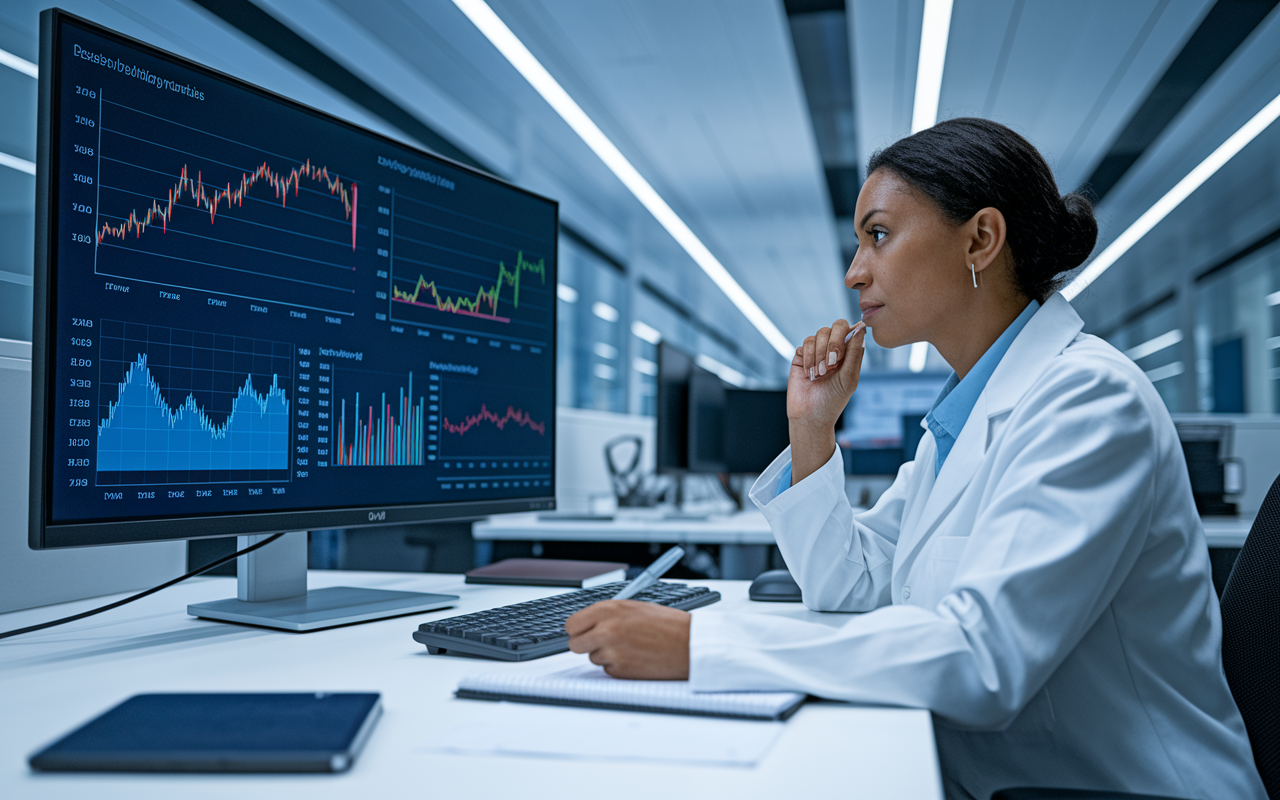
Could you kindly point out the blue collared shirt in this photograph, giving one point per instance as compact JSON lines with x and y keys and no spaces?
{"x":954,"y":405}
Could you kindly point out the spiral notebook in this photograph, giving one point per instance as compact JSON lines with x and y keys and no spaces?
{"x":590,"y":686}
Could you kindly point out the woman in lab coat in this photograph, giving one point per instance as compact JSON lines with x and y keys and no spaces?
{"x":1037,"y":577}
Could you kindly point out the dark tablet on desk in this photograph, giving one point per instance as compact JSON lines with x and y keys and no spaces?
{"x":311,"y":732}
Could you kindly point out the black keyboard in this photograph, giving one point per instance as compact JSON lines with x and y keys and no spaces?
{"x":535,"y":629}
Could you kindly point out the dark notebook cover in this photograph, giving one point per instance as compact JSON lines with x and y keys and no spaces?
{"x":549,"y":572}
{"x":311,"y":732}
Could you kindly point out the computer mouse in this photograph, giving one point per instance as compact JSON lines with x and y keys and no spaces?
{"x":776,"y":586}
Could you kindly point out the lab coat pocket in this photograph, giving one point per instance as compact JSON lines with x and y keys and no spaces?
{"x":932,"y":575}
{"x":947,"y":548}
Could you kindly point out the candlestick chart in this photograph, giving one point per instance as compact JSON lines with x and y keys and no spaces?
{"x":198,"y":210}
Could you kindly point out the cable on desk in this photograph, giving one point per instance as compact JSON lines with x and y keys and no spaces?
{"x":142,"y":594}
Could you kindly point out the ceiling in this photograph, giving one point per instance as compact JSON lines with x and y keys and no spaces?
{"x":707,"y":99}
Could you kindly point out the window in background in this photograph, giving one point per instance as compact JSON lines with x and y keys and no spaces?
{"x":1152,"y":341}
{"x":594,"y":330}
{"x":1238,"y":336}
{"x":644,"y":368}
{"x":17,"y":193}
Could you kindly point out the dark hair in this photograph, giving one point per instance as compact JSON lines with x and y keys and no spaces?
{"x":967,"y":164}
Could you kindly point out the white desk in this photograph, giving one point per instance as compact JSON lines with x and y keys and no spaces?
{"x":743,"y":537}
{"x":52,"y":681}
{"x":1227,"y":532}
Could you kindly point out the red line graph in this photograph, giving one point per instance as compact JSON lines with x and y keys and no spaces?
{"x":208,"y":200}
{"x":513,"y":414}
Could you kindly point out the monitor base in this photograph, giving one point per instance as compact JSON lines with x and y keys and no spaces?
{"x":322,"y":608}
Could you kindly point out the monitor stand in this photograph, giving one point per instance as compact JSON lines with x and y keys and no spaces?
{"x":272,"y":592}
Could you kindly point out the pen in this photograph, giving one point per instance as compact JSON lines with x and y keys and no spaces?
{"x":650,"y":576}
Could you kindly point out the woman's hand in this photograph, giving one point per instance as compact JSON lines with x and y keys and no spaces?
{"x":633,"y":639}
{"x":824,"y":374}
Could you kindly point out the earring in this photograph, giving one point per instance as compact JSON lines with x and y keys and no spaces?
{"x":974,"y":276}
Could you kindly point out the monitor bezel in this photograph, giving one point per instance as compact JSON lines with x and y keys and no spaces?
{"x":43,"y":533}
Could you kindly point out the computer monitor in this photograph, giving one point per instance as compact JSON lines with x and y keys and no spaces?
{"x":706,"y":422}
{"x":707,"y":426}
{"x":756,"y":429}
{"x":672,"y":434}
{"x":253,"y":317}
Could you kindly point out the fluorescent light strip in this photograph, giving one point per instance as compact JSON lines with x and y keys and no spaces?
{"x":933,"y":56}
{"x":647,"y":332}
{"x":604,"y":311}
{"x":1273,"y":299}
{"x":567,"y":293}
{"x":496,"y":31}
{"x":20,"y":64}
{"x":1167,"y":371}
{"x":1152,"y":346}
{"x":726,"y":373}
{"x":20,"y":164}
{"x":1174,"y":197}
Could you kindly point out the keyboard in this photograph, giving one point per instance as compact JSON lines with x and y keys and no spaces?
{"x":535,"y":628}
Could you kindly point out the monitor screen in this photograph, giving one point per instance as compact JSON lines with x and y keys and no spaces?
{"x":756,"y":429}
{"x":253,"y":316}
{"x":706,"y":422}
{"x":672,"y":436}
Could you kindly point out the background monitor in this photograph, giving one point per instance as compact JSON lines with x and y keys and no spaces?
{"x":756,"y":429}
{"x":252,"y":317}
{"x":672,"y":434}
{"x":707,"y":433}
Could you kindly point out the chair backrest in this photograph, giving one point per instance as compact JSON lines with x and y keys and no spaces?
{"x":1251,"y":637}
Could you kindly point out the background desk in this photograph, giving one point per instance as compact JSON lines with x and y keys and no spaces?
{"x":744,"y":537}
{"x":52,"y":681}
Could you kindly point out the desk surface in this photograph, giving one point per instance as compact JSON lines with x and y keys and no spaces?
{"x":643,"y":525}
{"x":52,"y":681}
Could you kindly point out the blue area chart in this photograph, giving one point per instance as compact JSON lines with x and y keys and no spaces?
{"x":143,"y":434}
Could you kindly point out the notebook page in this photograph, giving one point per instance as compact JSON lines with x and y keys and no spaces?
{"x":588,"y":683}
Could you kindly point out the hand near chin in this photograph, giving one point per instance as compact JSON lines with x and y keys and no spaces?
{"x":824,"y":374}
{"x":633,"y":639}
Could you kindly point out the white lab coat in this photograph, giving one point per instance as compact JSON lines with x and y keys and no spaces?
{"x":1048,"y":596}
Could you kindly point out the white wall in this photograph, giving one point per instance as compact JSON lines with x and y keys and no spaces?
{"x":581,"y":474}
{"x":30,"y":578}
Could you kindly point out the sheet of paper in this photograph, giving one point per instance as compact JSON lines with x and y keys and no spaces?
{"x":523,"y":729}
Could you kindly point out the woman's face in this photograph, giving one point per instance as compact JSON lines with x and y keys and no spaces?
{"x":910,"y":269}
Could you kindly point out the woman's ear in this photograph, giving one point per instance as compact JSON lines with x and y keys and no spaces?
{"x":987,"y":233}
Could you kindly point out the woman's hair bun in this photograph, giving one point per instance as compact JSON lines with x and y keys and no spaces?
{"x":1079,"y":231}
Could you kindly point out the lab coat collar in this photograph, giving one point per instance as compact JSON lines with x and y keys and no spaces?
{"x":1045,"y":335}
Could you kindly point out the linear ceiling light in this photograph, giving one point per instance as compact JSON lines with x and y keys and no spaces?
{"x":20,"y":64}
{"x":933,"y":56}
{"x":20,"y":164}
{"x":496,"y":31}
{"x":727,"y":373}
{"x":1174,"y":197}
{"x":1153,"y":346}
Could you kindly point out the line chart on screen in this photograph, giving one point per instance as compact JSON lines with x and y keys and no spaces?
{"x":461,"y":275}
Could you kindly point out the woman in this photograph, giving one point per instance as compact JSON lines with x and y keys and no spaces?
{"x":1037,"y":576}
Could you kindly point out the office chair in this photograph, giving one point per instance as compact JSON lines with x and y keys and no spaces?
{"x":1250,"y":651}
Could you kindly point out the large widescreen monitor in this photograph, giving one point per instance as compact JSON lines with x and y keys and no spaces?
{"x":252,"y":316}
